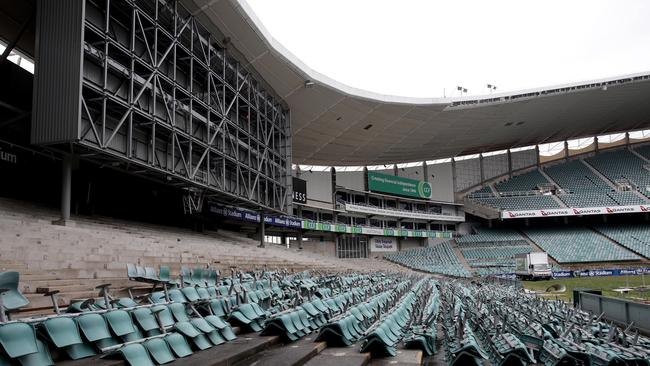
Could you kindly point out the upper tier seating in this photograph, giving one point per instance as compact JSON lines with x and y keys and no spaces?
{"x":643,"y":151}
{"x":581,"y":186}
{"x":491,"y":251}
{"x":576,"y":244}
{"x":623,"y":164}
{"x":633,"y":237}
{"x":439,"y":258}
{"x":524,"y":182}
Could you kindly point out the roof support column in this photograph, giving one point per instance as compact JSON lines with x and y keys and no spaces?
{"x":481,"y":168}
{"x":509,"y":164}
{"x":66,"y":189}
{"x":566,"y":150}
{"x":395,"y":172}
{"x":261,"y":228}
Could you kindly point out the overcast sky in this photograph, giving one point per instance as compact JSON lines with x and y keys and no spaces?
{"x":418,"y":48}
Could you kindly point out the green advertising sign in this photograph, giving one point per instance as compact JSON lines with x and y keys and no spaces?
{"x":398,"y":185}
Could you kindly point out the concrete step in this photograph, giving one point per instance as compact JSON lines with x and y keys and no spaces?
{"x":340,"y":356}
{"x":292,"y":354}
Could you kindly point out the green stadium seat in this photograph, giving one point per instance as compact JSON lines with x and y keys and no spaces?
{"x":135,"y":355}
{"x":40,"y":358}
{"x":119,"y":322}
{"x":178,"y":344}
{"x":79,"y":351}
{"x":93,"y":327}
{"x":12,"y":299}
{"x":18,"y":339}
{"x":62,"y":331}
{"x":159,"y":350}
{"x":145,"y":319}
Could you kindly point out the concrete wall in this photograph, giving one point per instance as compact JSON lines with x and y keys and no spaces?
{"x":411,"y":243}
{"x":351,"y":180}
{"x":468,"y":173}
{"x":523,"y":159}
{"x":442,"y":182}
{"x":325,"y":248}
{"x":495,"y":165}
{"x":319,"y":186}
{"x":620,"y":311}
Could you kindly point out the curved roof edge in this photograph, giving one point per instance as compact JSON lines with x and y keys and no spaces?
{"x":310,"y":74}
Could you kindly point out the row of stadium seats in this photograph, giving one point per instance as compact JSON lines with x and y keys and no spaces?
{"x":623,"y":164}
{"x":490,"y":237}
{"x":580,"y":186}
{"x":513,"y":203}
{"x":186,"y":319}
{"x":495,"y":252}
{"x":633,"y":237}
{"x":578,"y":244}
{"x":439,"y":258}
{"x":499,"y":325}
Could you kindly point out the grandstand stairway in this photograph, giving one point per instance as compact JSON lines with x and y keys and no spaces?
{"x":639,"y":155}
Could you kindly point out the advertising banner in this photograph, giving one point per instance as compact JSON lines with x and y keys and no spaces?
{"x":299,"y":190}
{"x":293,"y":222}
{"x":575,"y":211}
{"x":401,"y":213}
{"x":401,"y":186}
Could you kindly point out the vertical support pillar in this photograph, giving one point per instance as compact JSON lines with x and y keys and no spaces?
{"x":395,"y":170}
{"x":425,"y":171}
{"x":481,"y":168}
{"x":261,"y":228}
{"x":566,"y":150}
{"x":66,"y":188}
{"x":627,"y":139}
{"x":299,"y":237}
{"x":509,"y":164}
{"x":537,"y":155}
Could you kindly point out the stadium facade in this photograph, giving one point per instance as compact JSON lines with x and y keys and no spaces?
{"x":209,"y":120}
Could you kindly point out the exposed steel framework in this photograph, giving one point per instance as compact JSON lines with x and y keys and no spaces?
{"x":162,"y":97}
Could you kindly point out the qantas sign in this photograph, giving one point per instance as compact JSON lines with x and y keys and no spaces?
{"x":574,"y":211}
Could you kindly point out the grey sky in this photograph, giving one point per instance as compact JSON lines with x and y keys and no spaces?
{"x":418,"y":48}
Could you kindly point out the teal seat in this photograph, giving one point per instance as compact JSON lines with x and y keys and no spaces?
{"x":179,"y":312}
{"x":178,"y":344}
{"x":120,"y":322}
{"x":202,"y":325}
{"x":126,"y":302}
{"x":145,"y":319}
{"x":159,"y":350}
{"x":203,"y":293}
{"x":79,"y":351}
{"x":18,"y":339}
{"x":62,"y":331}
{"x":164,"y":315}
{"x":218,"y":307}
{"x":40,"y":358}
{"x":135,"y":355}
{"x":190,"y":294}
{"x":212,"y":291}
{"x":176,"y":295}
{"x":216,"y":338}
{"x":11,"y":299}
{"x":163,"y":274}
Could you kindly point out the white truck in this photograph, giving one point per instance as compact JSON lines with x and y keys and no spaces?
{"x":533,"y":266}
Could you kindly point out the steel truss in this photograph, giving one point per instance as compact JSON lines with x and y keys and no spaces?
{"x":160,"y":94}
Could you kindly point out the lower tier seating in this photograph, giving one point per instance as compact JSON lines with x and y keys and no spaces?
{"x":578,"y":244}
{"x":633,"y":237}
{"x":439,"y":258}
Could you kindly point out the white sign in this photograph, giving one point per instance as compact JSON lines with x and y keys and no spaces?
{"x":401,"y":213}
{"x":383,"y":244}
{"x":575,"y":211}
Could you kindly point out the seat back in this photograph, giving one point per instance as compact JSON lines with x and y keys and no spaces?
{"x":11,"y":299}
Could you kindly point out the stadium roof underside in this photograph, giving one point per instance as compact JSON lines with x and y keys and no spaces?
{"x":330,"y":121}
